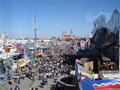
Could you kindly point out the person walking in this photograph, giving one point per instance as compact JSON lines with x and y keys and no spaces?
{"x":17,"y":88}
{"x":36,"y":88}
{"x":2,"y":77}
{"x":32,"y":88}
{"x":10,"y":82}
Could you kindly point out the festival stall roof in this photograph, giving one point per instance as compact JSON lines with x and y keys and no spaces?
{"x":12,"y":54}
{"x":27,"y":61}
{"x":21,"y":65}
{"x":43,"y":48}
{"x":23,"y":62}
{"x":85,"y":73}
{"x":39,"y":54}
{"x":72,"y":72}
{"x":30,"y":46}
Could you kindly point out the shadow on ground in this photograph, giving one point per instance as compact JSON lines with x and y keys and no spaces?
{"x":64,"y":84}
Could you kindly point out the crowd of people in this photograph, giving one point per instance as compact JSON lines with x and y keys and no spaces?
{"x":43,"y":69}
{"x":51,"y":65}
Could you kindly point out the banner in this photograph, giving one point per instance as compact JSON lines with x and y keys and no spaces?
{"x":107,"y":84}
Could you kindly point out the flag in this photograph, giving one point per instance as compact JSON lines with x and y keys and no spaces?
{"x":82,"y":77}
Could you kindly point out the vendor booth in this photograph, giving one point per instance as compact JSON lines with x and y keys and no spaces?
{"x":22,"y":63}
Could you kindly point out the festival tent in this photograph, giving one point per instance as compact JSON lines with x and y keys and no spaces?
{"x":43,"y":48}
{"x":23,"y":62}
{"x":39,"y":54}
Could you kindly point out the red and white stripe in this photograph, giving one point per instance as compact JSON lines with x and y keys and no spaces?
{"x":83,"y":77}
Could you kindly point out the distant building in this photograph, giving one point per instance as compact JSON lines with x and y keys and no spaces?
{"x":4,"y":36}
{"x":68,"y":37}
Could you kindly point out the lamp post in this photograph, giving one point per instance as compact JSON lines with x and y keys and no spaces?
{"x":119,"y":39}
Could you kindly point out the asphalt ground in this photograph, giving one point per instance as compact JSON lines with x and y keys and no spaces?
{"x":26,"y":84}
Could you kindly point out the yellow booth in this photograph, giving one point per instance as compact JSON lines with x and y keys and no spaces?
{"x":21,"y":64}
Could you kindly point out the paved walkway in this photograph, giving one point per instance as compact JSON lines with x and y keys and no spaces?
{"x":26,"y":84}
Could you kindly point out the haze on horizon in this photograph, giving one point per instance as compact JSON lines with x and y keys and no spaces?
{"x":53,"y":16}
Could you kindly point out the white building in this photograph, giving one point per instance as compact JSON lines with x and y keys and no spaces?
{"x":4,"y":36}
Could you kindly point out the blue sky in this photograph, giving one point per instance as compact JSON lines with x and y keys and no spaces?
{"x":53,"y":16}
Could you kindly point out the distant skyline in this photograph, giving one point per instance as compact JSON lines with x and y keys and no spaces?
{"x":53,"y":16}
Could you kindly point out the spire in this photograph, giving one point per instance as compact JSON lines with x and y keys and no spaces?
{"x":71,"y":33}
